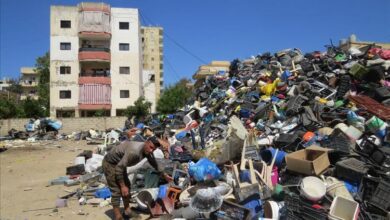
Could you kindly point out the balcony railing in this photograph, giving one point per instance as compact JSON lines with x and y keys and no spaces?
{"x":104,"y":80}
{"x":94,"y":54}
{"x":89,"y":49}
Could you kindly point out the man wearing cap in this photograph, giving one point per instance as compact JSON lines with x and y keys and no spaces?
{"x":114,"y":165}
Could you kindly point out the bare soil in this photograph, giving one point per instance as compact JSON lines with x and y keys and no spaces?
{"x":25,"y":173}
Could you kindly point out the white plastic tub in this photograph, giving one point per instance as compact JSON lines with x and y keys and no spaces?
{"x":344,"y":209}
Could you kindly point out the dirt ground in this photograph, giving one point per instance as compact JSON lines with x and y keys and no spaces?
{"x":24,"y":182}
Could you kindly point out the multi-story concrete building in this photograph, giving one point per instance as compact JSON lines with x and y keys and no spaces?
{"x":29,"y":80}
{"x":153,"y":65}
{"x":95,"y":59}
{"x":352,"y":41}
{"x":4,"y":84}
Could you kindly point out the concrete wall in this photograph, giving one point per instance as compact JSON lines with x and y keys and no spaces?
{"x":131,"y":58}
{"x":69,"y":124}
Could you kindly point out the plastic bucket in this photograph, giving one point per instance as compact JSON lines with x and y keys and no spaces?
{"x":271,"y":209}
{"x":268,"y":154}
{"x":343,"y":208}
{"x":79,"y":160}
{"x":146,"y":196}
{"x":312,"y":188}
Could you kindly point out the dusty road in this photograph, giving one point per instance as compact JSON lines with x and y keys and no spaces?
{"x":25,"y":175}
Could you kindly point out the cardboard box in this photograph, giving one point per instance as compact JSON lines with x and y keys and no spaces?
{"x":310,"y":161}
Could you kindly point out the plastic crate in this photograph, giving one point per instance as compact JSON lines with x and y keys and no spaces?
{"x":351,"y":169}
{"x":285,"y":140}
{"x":293,"y":203}
{"x":358,"y":71}
{"x":338,"y":141}
{"x":294,"y":105}
{"x":382,"y":93}
{"x":381,"y":196}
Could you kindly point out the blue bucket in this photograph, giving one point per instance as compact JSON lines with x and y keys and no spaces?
{"x":268,"y":154}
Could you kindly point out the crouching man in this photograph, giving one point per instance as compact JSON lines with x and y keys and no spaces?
{"x":114,"y":165}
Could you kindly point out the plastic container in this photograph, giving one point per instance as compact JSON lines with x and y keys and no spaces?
{"x":312,"y":188}
{"x":381,"y":196}
{"x":79,"y":160}
{"x":145,"y":197}
{"x":271,"y":209}
{"x":103,"y":193}
{"x":344,"y":209}
{"x":351,"y":169}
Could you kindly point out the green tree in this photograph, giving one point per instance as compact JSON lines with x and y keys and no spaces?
{"x":15,"y":87}
{"x":42,"y":67}
{"x":174,"y":97}
{"x":140,"y":109}
{"x":7,"y":109}
{"x":33,"y":108}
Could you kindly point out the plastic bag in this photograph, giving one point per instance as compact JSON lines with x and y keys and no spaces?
{"x":93,"y":163}
{"x":204,"y":170}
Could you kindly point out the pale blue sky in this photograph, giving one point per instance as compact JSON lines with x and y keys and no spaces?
{"x":208,"y":29}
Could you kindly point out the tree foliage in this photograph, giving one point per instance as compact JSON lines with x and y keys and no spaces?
{"x":42,"y":67}
{"x":33,"y":108}
{"x":140,"y":109}
{"x":15,"y":87}
{"x":174,"y":97}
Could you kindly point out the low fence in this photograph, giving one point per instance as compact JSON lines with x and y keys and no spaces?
{"x":68,"y":124}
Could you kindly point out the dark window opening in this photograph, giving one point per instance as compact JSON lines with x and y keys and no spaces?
{"x":124,"y":25}
{"x":65,"y":46}
{"x":124,"y":94}
{"x":65,"y":94}
{"x":65,"y":70}
{"x":65,"y":24}
{"x":124,"y":47}
{"x":124,"y":70}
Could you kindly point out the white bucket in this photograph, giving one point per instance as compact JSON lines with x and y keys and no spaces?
{"x":312,"y":188}
{"x":343,"y":208}
{"x":79,"y":160}
{"x":271,"y":209}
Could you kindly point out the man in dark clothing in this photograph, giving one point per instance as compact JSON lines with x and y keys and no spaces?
{"x":115,"y":163}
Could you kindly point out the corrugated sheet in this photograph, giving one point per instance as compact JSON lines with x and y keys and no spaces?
{"x":95,"y":94}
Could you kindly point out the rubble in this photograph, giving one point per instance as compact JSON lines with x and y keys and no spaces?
{"x":280,"y":136}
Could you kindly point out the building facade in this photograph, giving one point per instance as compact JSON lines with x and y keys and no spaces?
{"x":153,"y":64}
{"x":29,"y":80}
{"x":95,"y":60}
{"x":352,"y":41}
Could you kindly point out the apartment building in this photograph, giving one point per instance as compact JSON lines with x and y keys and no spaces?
{"x":352,"y":41}
{"x":95,"y":59}
{"x":153,"y":65}
{"x":29,"y":80}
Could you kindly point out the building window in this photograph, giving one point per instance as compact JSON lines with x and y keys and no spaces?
{"x":152,"y":78}
{"x":65,"y":46}
{"x":124,"y":70}
{"x":124,"y":25}
{"x":65,"y":94}
{"x":124,"y":94}
{"x":124,"y":47}
{"x":65,"y":24}
{"x":65,"y":70}
{"x":152,"y":58}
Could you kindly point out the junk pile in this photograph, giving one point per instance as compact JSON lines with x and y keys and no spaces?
{"x":279,"y":136}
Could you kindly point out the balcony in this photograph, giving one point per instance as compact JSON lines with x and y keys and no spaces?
{"x":94,"y":21}
{"x":28,"y":84}
{"x":95,"y":77}
{"x":94,"y":96}
{"x":94,"y":54}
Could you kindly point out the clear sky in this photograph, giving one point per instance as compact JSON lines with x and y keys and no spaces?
{"x":207,"y":29}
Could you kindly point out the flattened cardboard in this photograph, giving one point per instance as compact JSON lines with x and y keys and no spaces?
{"x":310,"y":161}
